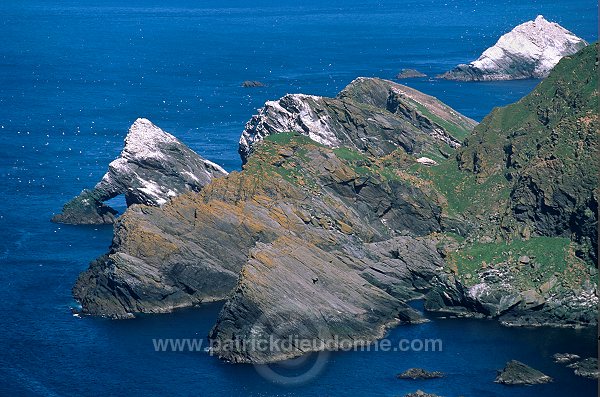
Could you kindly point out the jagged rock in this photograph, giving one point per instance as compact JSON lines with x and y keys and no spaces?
{"x":587,"y":368}
{"x":370,"y":115}
{"x":517,"y":373}
{"x":152,"y":168}
{"x":419,"y":373}
{"x":164,"y":258}
{"x":409,"y":74}
{"x":530,"y":50}
{"x":565,"y":357}
{"x":320,"y":241}
{"x":252,"y":84}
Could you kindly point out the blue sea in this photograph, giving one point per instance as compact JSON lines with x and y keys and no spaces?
{"x":75,"y":74}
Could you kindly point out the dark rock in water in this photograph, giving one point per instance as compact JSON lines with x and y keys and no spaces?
{"x":251,"y":84}
{"x":409,"y":73}
{"x":370,"y":115}
{"x":517,"y":373}
{"x":530,"y":50}
{"x":152,"y":168}
{"x":421,"y":393}
{"x":419,"y":373}
{"x":86,"y":209}
{"x":563,"y":358}
{"x":587,"y":368}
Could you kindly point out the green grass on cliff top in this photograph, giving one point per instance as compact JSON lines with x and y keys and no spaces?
{"x":553,"y":255}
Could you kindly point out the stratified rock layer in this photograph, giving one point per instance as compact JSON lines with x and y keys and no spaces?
{"x":370,"y":115}
{"x":530,"y":50}
{"x":290,"y":193}
{"x":152,"y":168}
{"x":317,"y":240}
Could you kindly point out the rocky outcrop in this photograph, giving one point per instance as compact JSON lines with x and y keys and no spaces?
{"x":565,"y":358}
{"x":370,"y":115}
{"x":588,"y":368}
{"x":152,"y":168}
{"x":409,"y":74}
{"x":327,"y":232}
{"x":363,"y":229}
{"x":419,"y":373}
{"x":421,"y":393}
{"x":252,"y":84}
{"x":517,"y":373}
{"x":497,"y":293}
{"x":530,"y":50}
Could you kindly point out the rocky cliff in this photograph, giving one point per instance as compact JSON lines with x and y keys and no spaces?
{"x":152,"y":168}
{"x":530,"y":50}
{"x":324,"y":238}
{"x":370,"y":115}
{"x":532,"y":256}
{"x":292,"y":189}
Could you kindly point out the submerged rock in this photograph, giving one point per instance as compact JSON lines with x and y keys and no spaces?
{"x":409,"y":74}
{"x":530,"y":50}
{"x":517,"y":373}
{"x":419,"y":373}
{"x":370,"y":115}
{"x":152,"y":168}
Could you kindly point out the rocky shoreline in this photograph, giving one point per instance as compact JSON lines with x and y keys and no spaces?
{"x":334,"y":224}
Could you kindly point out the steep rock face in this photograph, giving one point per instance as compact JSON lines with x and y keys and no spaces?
{"x":370,"y":115}
{"x":526,"y":182}
{"x":153,"y":167}
{"x":164,"y":258}
{"x":530,"y":50}
{"x":546,"y":148}
{"x":289,"y":287}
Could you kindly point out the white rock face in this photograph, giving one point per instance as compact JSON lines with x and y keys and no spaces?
{"x":293,"y":112}
{"x":153,"y":167}
{"x":530,"y":50}
{"x":369,"y":115}
{"x":426,"y":161}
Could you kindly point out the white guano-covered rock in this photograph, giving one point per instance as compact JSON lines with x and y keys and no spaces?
{"x":530,"y":50}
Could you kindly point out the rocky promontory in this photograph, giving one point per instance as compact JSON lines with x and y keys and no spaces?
{"x":339,"y":229}
{"x":153,"y":167}
{"x":336,"y":220}
{"x":370,"y":115}
{"x":530,"y":50}
{"x":531,"y":257}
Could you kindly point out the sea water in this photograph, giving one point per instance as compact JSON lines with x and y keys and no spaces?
{"x":75,"y":74}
